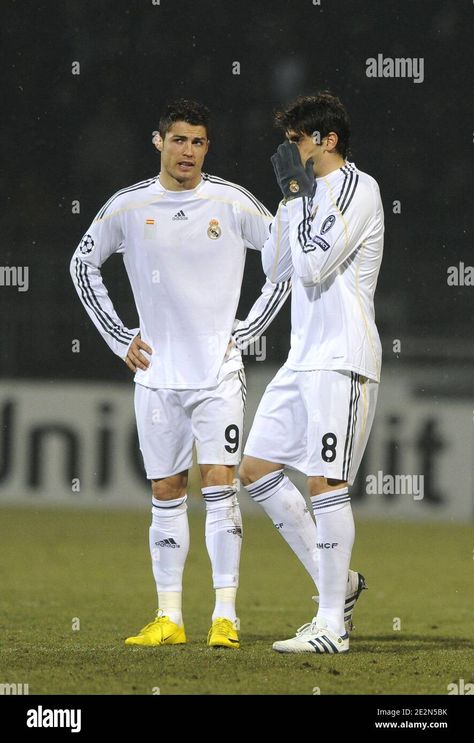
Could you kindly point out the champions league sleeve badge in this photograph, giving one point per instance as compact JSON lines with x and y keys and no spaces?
{"x":214,"y":230}
{"x":86,"y":246}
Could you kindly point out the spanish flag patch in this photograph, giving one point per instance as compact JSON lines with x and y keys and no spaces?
{"x":149,"y":229}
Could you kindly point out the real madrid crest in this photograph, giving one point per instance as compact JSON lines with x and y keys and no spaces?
{"x":214,"y":230}
{"x":294,"y":186}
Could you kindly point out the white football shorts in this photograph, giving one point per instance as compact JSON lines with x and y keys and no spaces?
{"x":317,"y":422}
{"x":169,"y":422}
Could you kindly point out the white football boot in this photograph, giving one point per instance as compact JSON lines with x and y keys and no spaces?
{"x":310,"y":638}
{"x":313,"y":639}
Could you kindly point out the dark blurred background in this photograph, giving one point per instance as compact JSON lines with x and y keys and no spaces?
{"x":81,"y":137}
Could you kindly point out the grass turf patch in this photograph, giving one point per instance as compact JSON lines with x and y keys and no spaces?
{"x":65,"y":569}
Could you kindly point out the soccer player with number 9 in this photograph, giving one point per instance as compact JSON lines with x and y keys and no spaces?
{"x":183,"y":235}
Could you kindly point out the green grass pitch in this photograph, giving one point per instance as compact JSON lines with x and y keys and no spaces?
{"x":58,"y":567}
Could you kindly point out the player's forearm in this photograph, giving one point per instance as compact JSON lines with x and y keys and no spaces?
{"x":94,"y":296}
{"x":311,"y":265}
{"x":262,"y":313}
{"x":314,"y":258}
{"x":321,"y":240}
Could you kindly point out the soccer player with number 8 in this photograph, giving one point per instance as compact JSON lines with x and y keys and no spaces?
{"x":316,"y":414}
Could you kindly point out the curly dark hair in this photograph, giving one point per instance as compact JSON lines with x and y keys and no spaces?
{"x":322,"y":113}
{"x":182,"y":109}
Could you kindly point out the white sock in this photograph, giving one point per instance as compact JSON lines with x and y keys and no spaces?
{"x":225,"y":603}
{"x":170,"y":603}
{"x":169,"y":546}
{"x":287,"y":508}
{"x":224,"y":542}
{"x":333,"y":514}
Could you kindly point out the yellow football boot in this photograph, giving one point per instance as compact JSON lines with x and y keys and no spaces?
{"x":223,"y":634}
{"x":162,"y":631}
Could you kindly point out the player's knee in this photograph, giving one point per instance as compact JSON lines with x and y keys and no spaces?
{"x":321,"y":485}
{"x":217,"y":474}
{"x":169,"y":488}
{"x":252,"y":469}
{"x":247,"y":472}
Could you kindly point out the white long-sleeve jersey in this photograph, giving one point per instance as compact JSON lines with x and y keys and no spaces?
{"x":184,"y":252}
{"x":333,"y":243}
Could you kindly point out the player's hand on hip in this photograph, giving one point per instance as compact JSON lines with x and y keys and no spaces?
{"x":134,"y":358}
{"x":293,"y":179}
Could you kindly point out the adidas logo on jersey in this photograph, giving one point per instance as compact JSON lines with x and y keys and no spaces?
{"x":168,"y":543}
{"x":179,"y":216}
